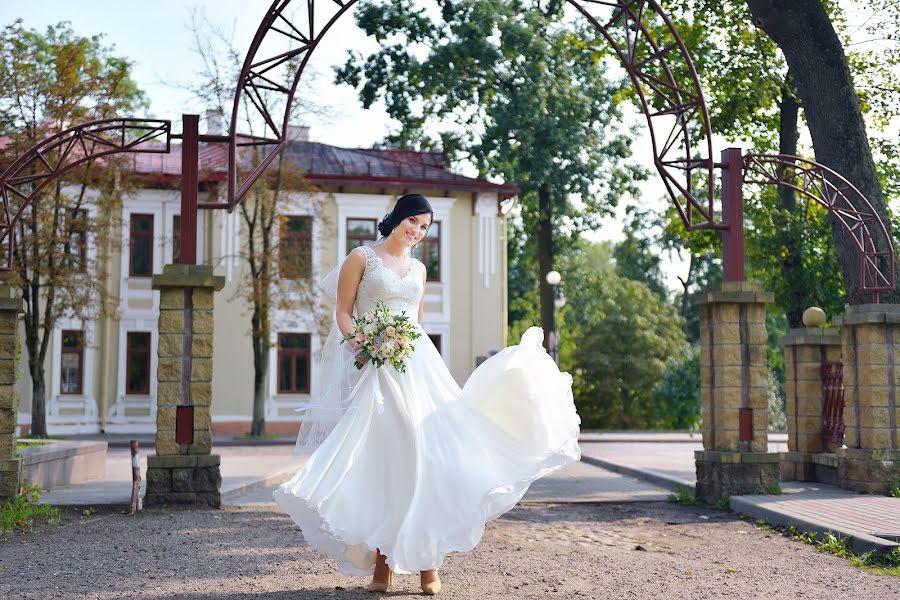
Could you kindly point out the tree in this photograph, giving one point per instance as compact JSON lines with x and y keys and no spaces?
{"x":269,"y":280}
{"x":635,"y":256}
{"x":618,"y":340}
{"x":48,"y":82}
{"x":527,"y":98}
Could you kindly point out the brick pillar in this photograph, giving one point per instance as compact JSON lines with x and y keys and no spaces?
{"x":871,"y":348}
{"x":10,"y":466}
{"x":733,"y":390}
{"x":184,"y":471}
{"x":806,"y":349}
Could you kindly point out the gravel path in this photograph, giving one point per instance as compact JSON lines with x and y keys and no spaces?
{"x":579,"y":551}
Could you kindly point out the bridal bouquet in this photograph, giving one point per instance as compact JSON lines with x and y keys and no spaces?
{"x":383,"y":337}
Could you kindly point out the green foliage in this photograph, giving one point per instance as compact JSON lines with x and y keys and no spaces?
{"x":774,"y":489}
{"x":517,"y":93}
{"x":895,"y":490}
{"x":677,"y":395}
{"x":792,"y":253}
{"x":618,"y":339}
{"x":22,"y":511}
{"x":684,"y":495}
{"x":636,"y":256}
{"x":881,"y":563}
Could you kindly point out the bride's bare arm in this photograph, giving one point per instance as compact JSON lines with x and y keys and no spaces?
{"x":348,"y":282}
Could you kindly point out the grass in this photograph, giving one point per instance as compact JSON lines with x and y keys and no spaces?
{"x":265,"y":436}
{"x":26,"y":445}
{"x":874,"y":562}
{"x":684,"y":495}
{"x":774,"y":489}
{"x":30,"y":436}
{"x":22,"y":511}
{"x":895,"y":490}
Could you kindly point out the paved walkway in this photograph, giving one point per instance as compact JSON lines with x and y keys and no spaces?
{"x":244,"y":469}
{"x":616,"y":467}
{"x":870,"y":522}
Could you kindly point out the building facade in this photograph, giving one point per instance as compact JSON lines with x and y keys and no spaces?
{"x":101,"y":375}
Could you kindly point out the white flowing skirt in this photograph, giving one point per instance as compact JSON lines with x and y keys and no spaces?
{"x":417,"y":466}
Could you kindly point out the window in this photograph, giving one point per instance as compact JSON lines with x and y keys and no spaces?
{"x":137,"y":362}
{"x":293,"y":363}
{"x":429,"y":251}
{"x":176,"y":239}
{"x":75,"y":246}
{"x":436,"y":340}
{"x":72,"y":361}
{"x":295,"y":248}
{"x":141,"y":257}
{"x":360,"y":231}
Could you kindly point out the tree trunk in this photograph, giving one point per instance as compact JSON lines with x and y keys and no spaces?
{"x":545,"y":263}
{"x":260,"y":368}
{"x":38,"y":402}
{"x":795,"y":300}
{"x":806,"y":36}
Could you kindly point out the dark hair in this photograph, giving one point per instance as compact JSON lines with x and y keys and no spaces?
{"x":407,"y":206}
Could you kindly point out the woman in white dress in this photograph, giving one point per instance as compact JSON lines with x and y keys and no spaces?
{"x":411,"y":467}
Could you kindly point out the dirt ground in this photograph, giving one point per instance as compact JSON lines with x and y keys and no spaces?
{"x":580,"y":551}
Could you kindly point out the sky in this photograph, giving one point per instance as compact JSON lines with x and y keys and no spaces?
{"x":157,"y":37}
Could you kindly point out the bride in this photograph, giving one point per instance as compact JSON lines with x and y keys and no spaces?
{"x":409,"y":467}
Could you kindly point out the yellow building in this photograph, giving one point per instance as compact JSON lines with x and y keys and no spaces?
{"x":101,"y":375}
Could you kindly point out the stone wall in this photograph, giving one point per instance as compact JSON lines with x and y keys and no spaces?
{"x":10,"y":465}
{"x":183,"y":471}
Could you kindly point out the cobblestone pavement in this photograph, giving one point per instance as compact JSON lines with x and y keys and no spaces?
{"x":580,"y":551}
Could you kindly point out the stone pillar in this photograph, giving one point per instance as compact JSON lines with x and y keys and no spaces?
{"x":184,"y":471}
{"x":10,"y":466}
{"x":734,"y":394}
{"x":806,"y":349}
{"x":870,"y":462}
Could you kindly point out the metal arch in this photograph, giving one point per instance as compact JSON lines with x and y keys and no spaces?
{"x":24,"y":180}
{"x":671,"y":98}
{"x":847,"y":205}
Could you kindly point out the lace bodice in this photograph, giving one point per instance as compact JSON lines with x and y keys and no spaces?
{"x":380,"y":283}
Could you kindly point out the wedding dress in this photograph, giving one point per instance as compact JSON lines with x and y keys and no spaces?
{"x":416,"y":466}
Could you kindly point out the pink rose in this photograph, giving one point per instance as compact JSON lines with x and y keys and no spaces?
{"x":360,"y":338}
{"x":370,"y":318}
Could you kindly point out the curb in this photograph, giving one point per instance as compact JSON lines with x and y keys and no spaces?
{"x":859,"y":543}
{"x":252,"y":486}
{"x":666,"y":481}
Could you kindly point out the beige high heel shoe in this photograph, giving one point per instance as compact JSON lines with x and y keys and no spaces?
{"x":382,"y":586}
{"x":432,"y":588}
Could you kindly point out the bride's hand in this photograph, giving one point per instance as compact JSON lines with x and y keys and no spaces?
{"x":359,"y":357}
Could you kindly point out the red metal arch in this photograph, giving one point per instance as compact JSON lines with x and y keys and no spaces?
{"x":24,"y":180}
{"x":639,"y":31}
{"x":847,"y":206}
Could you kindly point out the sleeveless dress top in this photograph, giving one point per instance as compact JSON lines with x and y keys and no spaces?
{"x":417,"y":465}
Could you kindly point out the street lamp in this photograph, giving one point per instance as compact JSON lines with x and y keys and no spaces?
{"x":553,"y":278}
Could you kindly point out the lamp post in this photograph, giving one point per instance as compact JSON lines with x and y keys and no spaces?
{"x":553,"y":278}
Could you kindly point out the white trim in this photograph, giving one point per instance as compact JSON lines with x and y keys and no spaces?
{"x":443,"y":330}
{"x":280,"y":407}
{"x":59,"y":418}
{"x":486,"y":209}
{"x":229,"y":241}
{"x":167,"y":239}
{"x":361,"y":206}
{"x":441,"y":289}
{"x":118,"y":420}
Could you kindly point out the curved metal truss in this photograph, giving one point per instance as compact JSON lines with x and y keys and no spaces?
{"x":847,"y":206}
{"x":639,"y":31}
{"x":24,"y":180}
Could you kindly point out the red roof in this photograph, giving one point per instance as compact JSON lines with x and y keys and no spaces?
{"x":324,"y":164}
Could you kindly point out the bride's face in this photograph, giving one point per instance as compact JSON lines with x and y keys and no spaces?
{"x":412,"y":229}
